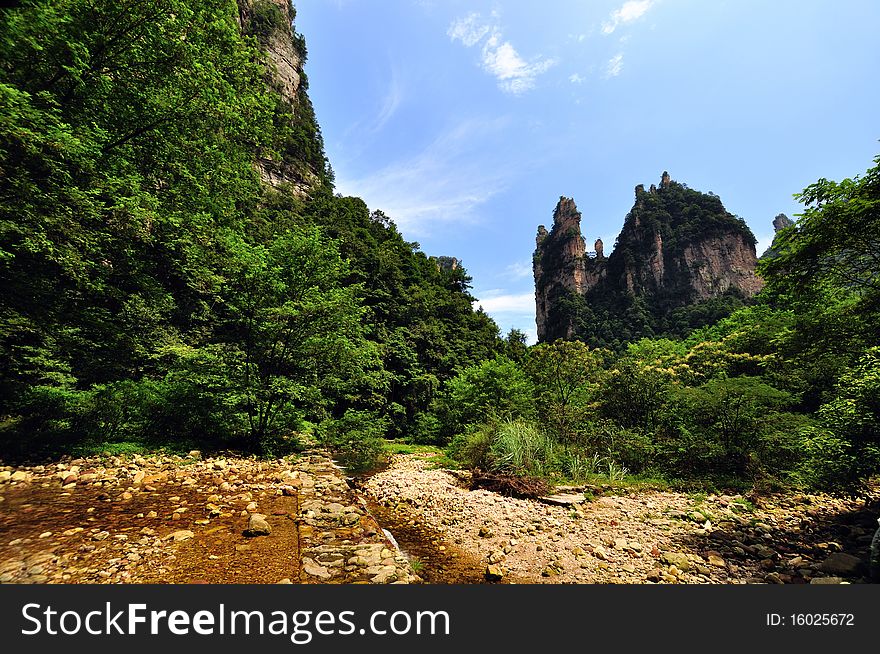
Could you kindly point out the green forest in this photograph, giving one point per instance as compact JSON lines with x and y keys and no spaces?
{"x":157,"y":293}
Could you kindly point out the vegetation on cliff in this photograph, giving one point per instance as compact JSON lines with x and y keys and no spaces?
{"x":154,"y":288}
{"x":681,"y":261}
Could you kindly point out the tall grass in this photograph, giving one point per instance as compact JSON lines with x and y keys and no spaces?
{"x":520,"y":448}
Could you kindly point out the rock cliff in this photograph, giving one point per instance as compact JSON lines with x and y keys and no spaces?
{"x":302,"y":163}
{"x":678,"y":248}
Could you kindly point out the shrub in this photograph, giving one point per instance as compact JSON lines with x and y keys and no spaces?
{"x":520,"y":448}
{"x":472,"y":449}
{"x":566,"y":375}
{"x":355,"y":438}
{"x":634,"y":396}
{"x":426,"y":429}
{"x":496,"y":389}
{"x":631,"y":448}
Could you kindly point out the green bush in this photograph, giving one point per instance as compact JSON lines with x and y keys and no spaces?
{"x":845,"y":451}
{"x":496,"y":389}
{"x":426,"y":429}
{"x":634,"y":396}
{"x":355,"y":438}
{"x":631,"y":448}
{"x":471,"y":449}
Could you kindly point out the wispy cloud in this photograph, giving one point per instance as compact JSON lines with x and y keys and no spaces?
{"x":614,"y":66}
{"x":442,"y":184}
{"x":498,"y":57}
{"x":628,"y":12}
{"x":390,"y":103}
{"x":470,"y":30}
{"x":576,"y":78}
{"x":518,"y":270}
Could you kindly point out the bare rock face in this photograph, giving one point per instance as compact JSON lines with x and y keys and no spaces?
{"x":718,"y":264}
{"x":560,"y":263}
{"x":678,"y":247}
{"x":781,"y":222}
{"x":271,"y":22}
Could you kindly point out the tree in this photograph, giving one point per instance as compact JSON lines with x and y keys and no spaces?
{"x":835,"y":244}
{"x":294,"y":335}
{"x":515,"y":345}
{"x":565,"y":374}
{"x":494,"y":390}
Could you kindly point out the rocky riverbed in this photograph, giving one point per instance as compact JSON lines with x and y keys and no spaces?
{"x":643,"y":537}
{"x":173,"y":519}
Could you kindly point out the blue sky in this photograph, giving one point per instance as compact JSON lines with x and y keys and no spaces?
{"x":466,"y":120}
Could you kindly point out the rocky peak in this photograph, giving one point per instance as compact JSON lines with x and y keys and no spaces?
{"x":447,"y":264}
{"x":566,"y":214}
{"x":781,"y":222}
{"x":678,"y":247}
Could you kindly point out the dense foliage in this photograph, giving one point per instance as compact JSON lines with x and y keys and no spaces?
{"x":154,"y":288}
{"x":784,"y":392}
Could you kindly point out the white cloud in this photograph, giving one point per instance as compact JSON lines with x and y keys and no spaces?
{"x":628,"y":12}
{"x":510,"y":310}
{"x":614,"y":66}
{"x":576,"y":79}
{"x":520,"y":303}
{"x":498,"y":57}
{"x":443,"y":184}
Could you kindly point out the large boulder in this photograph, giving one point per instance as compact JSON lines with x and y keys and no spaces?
{"x":257,"y":526}
{"x":842,"y":564}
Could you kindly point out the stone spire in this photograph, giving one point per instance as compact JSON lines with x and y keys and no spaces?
{"x":600,"y":249}
{"x":781,"y":222}
{"x":665,"y":180}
